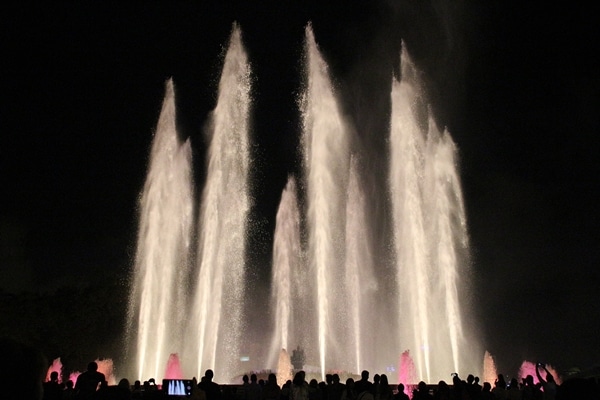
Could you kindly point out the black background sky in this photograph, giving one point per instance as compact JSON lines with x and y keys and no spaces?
{"x":516,"y":83}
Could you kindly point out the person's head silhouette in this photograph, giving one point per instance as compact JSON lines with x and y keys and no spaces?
{"x":209,"y":374}
{"x":92,"y":366}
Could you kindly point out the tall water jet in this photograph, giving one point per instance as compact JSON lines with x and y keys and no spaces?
{"x":289,"y":274}
{"x":157,"y":301}
{"x":326,"y":160}
{"x":217,"y":308}
{"x":448,"y":240}
{"x":361,"y":285}
{"x":406,"y":165}
{"x":431,"y":242}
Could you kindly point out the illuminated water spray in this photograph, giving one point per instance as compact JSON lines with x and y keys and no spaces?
{"x":289,"y":274}
{"x":326,"y":158}
{"x":369,"y":308}
{"x":361,"y":285}
{"x":430,"y":236}
{"x":217,"y":306}
{"x":157,"y":301}
{"x":349,"y":307}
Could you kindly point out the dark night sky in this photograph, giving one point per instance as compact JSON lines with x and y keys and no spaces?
{"x":516,"y":84}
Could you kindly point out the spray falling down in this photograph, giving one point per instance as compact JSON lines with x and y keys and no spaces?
{"x":157,"y":301}
{"x":217,"y":308}
{"x":430,"y":236}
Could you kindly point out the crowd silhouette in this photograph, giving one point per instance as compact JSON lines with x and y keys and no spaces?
{"x":23,"y":370}
{"x":92,"y":385}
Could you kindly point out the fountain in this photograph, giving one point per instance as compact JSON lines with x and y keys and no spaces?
{"x":406,"y":372}
{"x":528,"y":368}
{"x":157,"y":302}
{"x":216,"y":308}
{"x":173,"y":369}
{"x":331,"y":294}
{"x":284,"y":368}
{"x":55,"y":367}
{"x":430,"y":236}
{"x":490,"y":373}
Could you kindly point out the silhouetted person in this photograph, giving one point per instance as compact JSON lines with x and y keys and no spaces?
{"x":530,"y":391}
{"x":422,"y":392}
{"x":123,"y":390}
{"x":197,"y":393}
{"x":458,"y":387}
{"x":253,"y":390}
{"x":548,"y":385}
{"x":136,"y":392}
{"x":243,"y":391}
{"x":89,"y":382}
{"x":476,"y":384}
{"x":335,"y":390}
{"x":499,"y":390}
{"x":486,"y":392}
{"x":384,"y":391}
{"x":364,"y":386}
{"x":349,"y":392}
{"x":322,"y":395}
{"x":327,"y":385}
{"x":69,"y":391}
{"x":400,"y":395}
{"x":313,"y":390}
{"x":52,"y":389}
{"x":376,"y":379}
{"x":210,"y":388}
{"x":442,"y":391}
{"x":285,"y":390}
{"x":473,"y":388}
{"x":103,"y":392}
{"x":271,"y":390}
{"x":514,"y":391}
{"x":299,"y":389}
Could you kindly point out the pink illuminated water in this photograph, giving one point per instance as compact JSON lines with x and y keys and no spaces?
{"x":173,"y":370}
{"x":73,"y":376}
{"x":55,"y":367}
{"x":406,"y":371}
{"x":528,"y":368}
{"x":106,"y":367}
